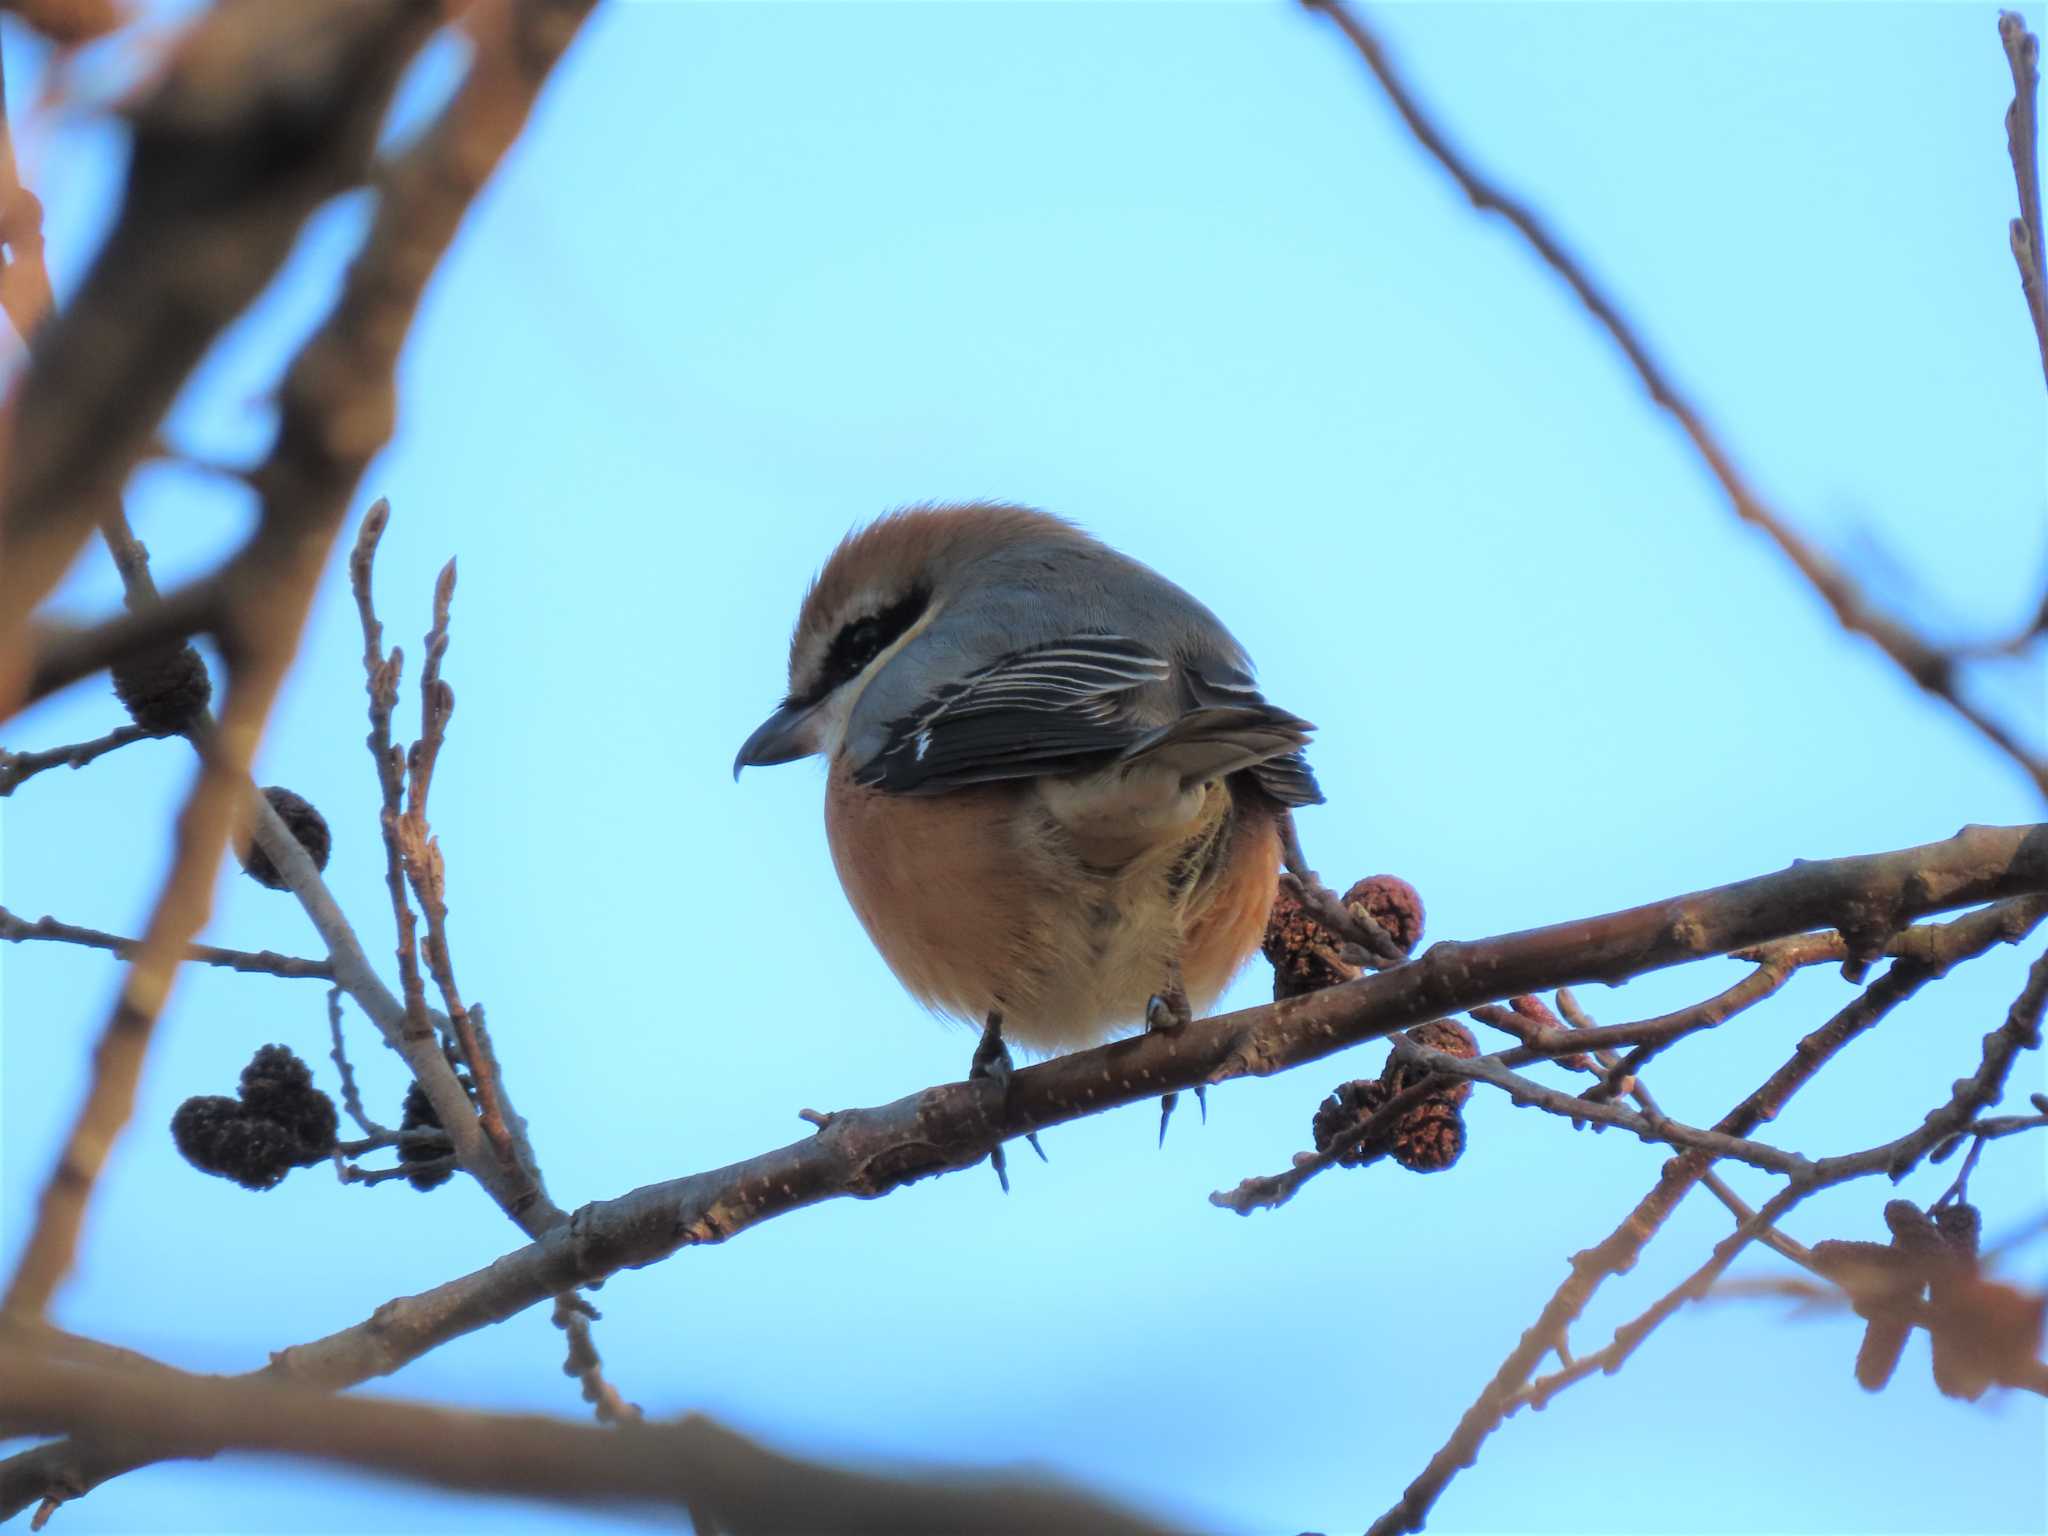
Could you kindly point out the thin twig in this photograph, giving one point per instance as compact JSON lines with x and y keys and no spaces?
{"x":1526,"y":1091}
{"x":18,"y":767}
{"x":423,"y":1139}
{"x":2022,"y":1028}
{"x":257,"y":667}
{"x":1776,"y":963}
{"x":1931,"y":669}
{"x":351,"y":1096}
{"x":266,"y":962}
{"x":381,"y":674}
{"x":1630,"y":1335}
{"x":1354,"y":927}
{"x":1967,"y":936}
{"x":2022,"y":52}
{"x":426,"y":872}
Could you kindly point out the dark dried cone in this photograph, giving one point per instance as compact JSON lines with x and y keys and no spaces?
{"x":419,"y":1116}
{"x":306,"y":824}
{"x":280,"y":1122}
{"x":279,"y":1086}
{"x":1302,"y":951}
{"x":163,"y":690}
{"x":1394,"y":904}
{"x":1430,"y":1137}
{"x":1342,"y":1113}
{"x":1448,"y":1036}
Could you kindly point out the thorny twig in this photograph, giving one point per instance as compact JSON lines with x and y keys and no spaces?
{"x":1930,"y":668}
{"x":867,"y":1152}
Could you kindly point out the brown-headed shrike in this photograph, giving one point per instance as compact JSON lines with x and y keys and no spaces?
{"x":1055,"y":797}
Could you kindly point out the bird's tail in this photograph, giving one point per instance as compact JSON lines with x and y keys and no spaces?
{"x":1212,"y":742}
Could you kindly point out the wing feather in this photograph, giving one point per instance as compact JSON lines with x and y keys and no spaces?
{"x":1073,"y":705}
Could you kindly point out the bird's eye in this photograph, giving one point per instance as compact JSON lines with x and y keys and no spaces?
{"x":860,"y":643}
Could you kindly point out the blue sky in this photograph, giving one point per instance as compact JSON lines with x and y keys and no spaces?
{"x":760,"y":272}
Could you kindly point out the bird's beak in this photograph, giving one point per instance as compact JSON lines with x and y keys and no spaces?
{"x":783,"y":737}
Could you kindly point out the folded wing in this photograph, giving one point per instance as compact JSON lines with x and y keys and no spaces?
{"x":1084,"y":703}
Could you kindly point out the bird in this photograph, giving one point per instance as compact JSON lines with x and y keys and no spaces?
{"x":1055,"y":797}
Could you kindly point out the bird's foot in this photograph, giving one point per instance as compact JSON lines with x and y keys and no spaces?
{"x":992,"y":1061}
{"x":1168,"y":1012}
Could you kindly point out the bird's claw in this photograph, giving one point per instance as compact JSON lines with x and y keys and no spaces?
{"x":1168,"y":1012}
{"x":992,"y":1061}
{"x":1167,"y":1102}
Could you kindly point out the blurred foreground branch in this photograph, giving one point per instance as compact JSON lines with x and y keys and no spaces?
{"x":724,"y":1481}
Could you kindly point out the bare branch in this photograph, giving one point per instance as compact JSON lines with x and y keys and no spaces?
{"x":1618,"y":1252}
{"x":18,"y":767}
{"x":1932,"y":669}
{"x":867,"y":1152}
{"x":2022,"y":52}
{"x":351,"y":1095}
{"x":264,"y":961}
{"x":1696,"y":1285}
{"x":742,"y":1487}
{"x":217,"y":192}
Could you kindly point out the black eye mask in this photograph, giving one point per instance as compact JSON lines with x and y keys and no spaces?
{"x":862,"y":640}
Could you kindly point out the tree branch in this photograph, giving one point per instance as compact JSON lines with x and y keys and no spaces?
{"x":264,"y":113}
{"x":867,"y":1152}
{"x":726,"y":1481}
{"x":16,"y":930}
{"x":18,"y":767}
{"x":2022,"y":52}
{"x":1966,"y":937}
{"x":863,"y":1153}
{"x":1930,"y":668}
